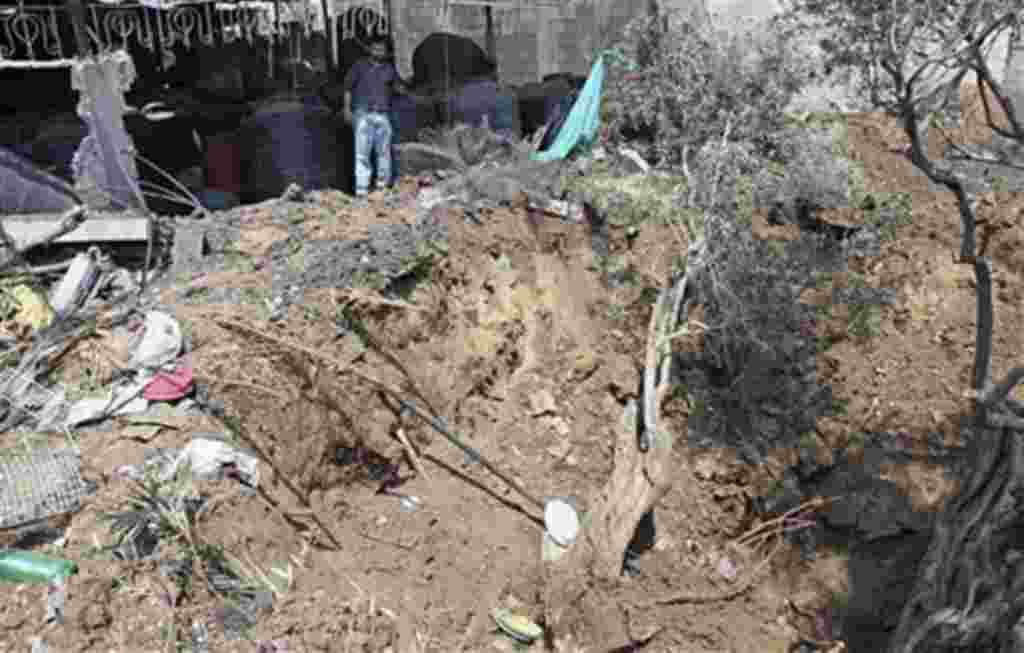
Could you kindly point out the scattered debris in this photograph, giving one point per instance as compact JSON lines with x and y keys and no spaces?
{"x":157,"y":344}
{"x":562,"y":522}
{"x":40,"y":484}
{"x":23,"y":398}
{"x":77,"y":284}
{"x":517,"y":626}
{"x":726,"y":568}
{"x":33,"y":311}
{"x":170,"y":386}
{"x":417,"y":158}
{"x":561,"y":528}
{"x":99,"y":228}
{"x":31,"y":567}
{"x":190,"y":247}
{"x":67,"y":222}
{"x":123,"y":399}
{"x":211,"y":457}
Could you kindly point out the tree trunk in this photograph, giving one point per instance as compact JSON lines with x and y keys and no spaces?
{"x":579,"y":604}
{"x":969,"y":594}
{"x":580,"y":608}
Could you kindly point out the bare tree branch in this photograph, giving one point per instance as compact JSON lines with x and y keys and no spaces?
{"x":1006,"y":422}
{"x":983,"y":311}
{"x":996,"y":393}
{"x":986,"y":80}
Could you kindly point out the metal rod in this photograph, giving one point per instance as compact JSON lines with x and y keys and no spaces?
{"x":440,"y":427}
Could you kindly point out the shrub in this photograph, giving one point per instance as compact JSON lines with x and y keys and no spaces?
{"x":749,"y":287}
{"x":722,"y":173}
{"x":810,"y":169}
{"x":701,"y":78}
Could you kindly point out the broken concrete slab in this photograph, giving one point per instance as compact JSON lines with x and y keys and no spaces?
{"x":496,"y":186}
{"x":98,"y":229}
{"x":539,"y":181}
{"x":417,"y":158}
{"x":190,"y":246}
{"x":477,"y":143}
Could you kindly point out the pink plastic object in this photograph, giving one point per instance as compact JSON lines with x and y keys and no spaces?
{"x":168,"y":386}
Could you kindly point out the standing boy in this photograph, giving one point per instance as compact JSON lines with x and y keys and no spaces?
{"x":369,"y":88}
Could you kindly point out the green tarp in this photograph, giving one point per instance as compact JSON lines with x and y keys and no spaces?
{"x":580,"y":127}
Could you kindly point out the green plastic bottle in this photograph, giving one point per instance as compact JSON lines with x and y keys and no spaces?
{"x":29,"y":567}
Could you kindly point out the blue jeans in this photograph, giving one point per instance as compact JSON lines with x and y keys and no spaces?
{"x":373,"y":135}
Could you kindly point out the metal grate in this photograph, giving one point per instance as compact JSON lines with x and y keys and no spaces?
{"x":39,"y":484}
{"x":20,"y":395}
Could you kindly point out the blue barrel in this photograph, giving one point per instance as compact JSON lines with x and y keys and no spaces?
{"x":473,"y":101}
{"x":409,"y":116}
{"x":506,"y":114}
{"x":288,"y":142}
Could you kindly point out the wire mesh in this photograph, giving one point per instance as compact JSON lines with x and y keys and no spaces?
{"x":38,"y":484}
{"x":21,"y":395}
{"x":36,"y":481}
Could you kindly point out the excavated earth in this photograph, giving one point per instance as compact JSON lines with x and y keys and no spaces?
{"x":528,"y":334}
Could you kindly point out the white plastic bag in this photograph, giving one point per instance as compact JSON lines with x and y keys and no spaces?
{"x":208,"y":455}
{"x":158,"y":345}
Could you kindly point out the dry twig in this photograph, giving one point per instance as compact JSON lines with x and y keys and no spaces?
{"x":414,"y":458}
{"x":711,"y":597}
{"x":774,"y":527}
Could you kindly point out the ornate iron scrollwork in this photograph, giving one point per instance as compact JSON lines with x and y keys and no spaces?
{"x":365,"y":19}
{"x":119,"y":25}
{"x":30,"y":30}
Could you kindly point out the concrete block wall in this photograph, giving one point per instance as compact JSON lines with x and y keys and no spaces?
{"x":532,"y":41}
{"x":516,"y":34}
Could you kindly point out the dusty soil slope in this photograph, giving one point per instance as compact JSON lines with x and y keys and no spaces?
{"x":515,"y":338}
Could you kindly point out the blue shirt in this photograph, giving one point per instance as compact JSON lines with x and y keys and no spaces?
{"x":370,"y":83}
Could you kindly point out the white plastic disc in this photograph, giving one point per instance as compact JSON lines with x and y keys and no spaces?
{"x":561,"y":522}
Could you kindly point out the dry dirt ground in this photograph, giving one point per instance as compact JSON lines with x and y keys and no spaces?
{"x":512,"y":337}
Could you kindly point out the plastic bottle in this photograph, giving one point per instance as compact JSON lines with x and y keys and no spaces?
{"x":29,"y":567}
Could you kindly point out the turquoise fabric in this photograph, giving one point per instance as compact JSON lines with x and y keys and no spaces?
{"x":615,"y":54}
{"x":580,"y":127}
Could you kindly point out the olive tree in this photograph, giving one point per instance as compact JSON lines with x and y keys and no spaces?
{"x":911,"y":56}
